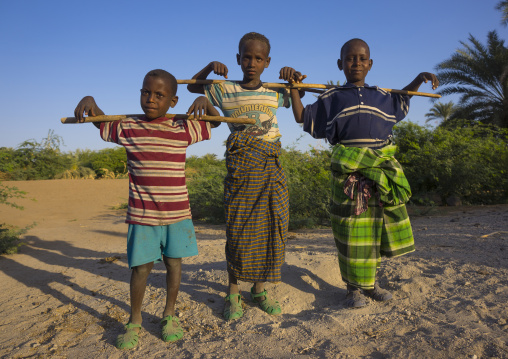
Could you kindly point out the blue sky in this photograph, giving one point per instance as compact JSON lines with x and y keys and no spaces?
{"x":55,"y":52}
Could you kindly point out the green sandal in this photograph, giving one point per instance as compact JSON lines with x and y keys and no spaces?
{"x":234,"y":310}
{"x":130,"y":338}
{"x":171,"y":333}
{"x":270,"y":306}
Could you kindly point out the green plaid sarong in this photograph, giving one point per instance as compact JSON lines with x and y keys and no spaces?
{"x":256,"y":202}
{"x":383,"y":230}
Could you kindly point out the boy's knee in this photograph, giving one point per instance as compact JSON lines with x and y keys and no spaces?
{"x":143,"y":269}
{"x":172,"y":263}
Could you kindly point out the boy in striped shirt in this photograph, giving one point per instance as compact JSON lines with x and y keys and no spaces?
{"x":256,"y":199}
{"x":159,"y":216}
{"x":369,"y":188}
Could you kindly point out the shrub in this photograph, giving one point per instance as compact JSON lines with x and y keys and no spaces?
{"x":205,"y":183}
{"x":469,"y":162}
{"x":33,"y":160}
{"x":104,"y":162}
{"x":9,"y":236}
{"x":308,"y":177}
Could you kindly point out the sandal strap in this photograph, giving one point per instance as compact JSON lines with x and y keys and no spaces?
{"x":256,"y":295}
{"x":169,"y":319}
{"x":228,"y":297}
{"x":132,"y":326}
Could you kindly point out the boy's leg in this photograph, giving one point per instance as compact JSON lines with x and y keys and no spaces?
{"x":173,"y":279}
{"x":129,"y":339}
{"x":234,"y":288}
{"x":259,"y":287}
{"x":139,"y":276}
{"x":171,"y":329}
{"x":233,"y":308}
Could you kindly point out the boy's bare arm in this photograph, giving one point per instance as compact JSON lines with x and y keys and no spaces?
{"x":87,"y":106}
{"x":421,"y":78}
{"x":217,"y":67}
{"x":296,"y":103}
{"x":201,"y":106}
{"x":292,"y":76}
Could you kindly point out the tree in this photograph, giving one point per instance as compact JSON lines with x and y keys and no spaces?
{"x":503,"y":7}
{"x":480,"y":75}
{"x":440,"y":111}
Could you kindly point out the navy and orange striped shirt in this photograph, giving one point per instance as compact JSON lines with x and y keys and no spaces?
{"x":156,"y":152}
{"x":355,"y":116}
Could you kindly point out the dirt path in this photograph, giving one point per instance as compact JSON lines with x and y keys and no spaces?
{"x":66,"y":294}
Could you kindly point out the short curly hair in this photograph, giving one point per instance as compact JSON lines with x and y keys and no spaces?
{"x":168,"y":79}
{"x":254,"y":36}
{"x":346,"y":44}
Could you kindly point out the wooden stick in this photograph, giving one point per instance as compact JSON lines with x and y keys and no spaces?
{"x":109,"y":118}
{"x":306,"y":87}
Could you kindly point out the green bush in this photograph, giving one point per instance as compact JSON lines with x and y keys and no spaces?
{"x":104,"y":161}
{"x":469,"y":162}
{"x":205,"y":183}
{"x":308,"y":178}
{"x":33,"y":160}
{"x":9,"y":236}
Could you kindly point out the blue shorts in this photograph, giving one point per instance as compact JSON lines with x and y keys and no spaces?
{"x":147,"y":244}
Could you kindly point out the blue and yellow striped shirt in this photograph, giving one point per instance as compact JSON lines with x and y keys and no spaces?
{"x":259,"y":103}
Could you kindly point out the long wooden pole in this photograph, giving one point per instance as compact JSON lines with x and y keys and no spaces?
{"x":109,"y":118}
{"x":306,"y":87}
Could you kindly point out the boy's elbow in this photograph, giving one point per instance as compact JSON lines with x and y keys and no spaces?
{"x":196,"y":89}
{"x":299,"y":116}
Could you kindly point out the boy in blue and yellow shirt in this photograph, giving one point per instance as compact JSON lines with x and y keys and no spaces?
{"x":369,"y":189}
{"x":256,"y":198}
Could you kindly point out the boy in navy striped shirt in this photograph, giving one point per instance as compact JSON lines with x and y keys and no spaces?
{"x":369,"y":189}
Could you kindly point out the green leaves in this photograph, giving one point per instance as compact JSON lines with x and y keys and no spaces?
{"x":308,"y":177}
{"x":479,"y":73}
{"x":468,"y":162}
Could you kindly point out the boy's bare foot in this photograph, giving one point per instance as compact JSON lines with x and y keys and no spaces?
{"x":354,"y":298}
{"x":378,"y":293}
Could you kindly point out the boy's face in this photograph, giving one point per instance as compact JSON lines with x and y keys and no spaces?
{"x":156,"y":97}
{"x":355,"y":62}
{"x":254,"y":59}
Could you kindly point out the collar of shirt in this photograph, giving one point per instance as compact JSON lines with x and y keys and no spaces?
{"x":350,"y":85}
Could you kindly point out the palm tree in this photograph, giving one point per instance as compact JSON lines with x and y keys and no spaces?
{"x":480,"y":75}
{"x":440,"y":111}
{"x":503,"y":7}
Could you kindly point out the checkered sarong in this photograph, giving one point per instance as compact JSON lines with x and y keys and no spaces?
{"x":256,"y":202}
{"x":383,"y":229}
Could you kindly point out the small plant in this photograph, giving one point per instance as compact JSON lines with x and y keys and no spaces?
{"x":10,"y":238}
{"x":9,"y":235}
{"x":121,"y":206}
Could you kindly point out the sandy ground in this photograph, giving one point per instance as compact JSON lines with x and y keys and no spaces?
{"x":66,"y":294}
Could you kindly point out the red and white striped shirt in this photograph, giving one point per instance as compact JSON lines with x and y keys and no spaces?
{"x":156,"y":162}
